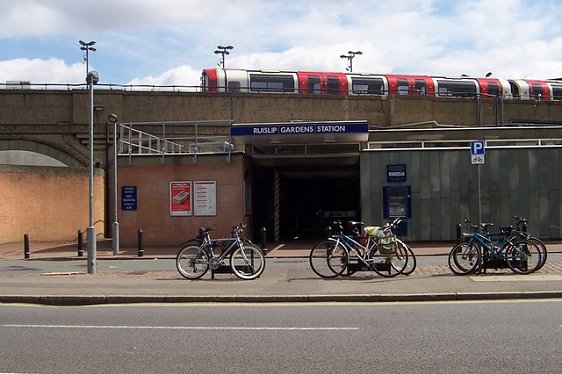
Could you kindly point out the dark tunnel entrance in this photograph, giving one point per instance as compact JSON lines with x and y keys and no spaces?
{"x":299,"y":203}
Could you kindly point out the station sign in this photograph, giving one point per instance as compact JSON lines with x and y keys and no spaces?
{"x":302,"y":131}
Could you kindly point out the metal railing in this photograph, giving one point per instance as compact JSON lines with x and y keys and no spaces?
{"x":24,"y":85}
{"x":397,"y":145}
{"x":190,"y":138}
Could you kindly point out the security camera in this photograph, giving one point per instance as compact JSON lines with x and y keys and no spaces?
{"x":112,"y":118}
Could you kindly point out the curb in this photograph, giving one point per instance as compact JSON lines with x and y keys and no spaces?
{"x":68,"y":300}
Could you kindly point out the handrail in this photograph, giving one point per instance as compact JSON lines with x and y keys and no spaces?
{"x":25,"y":85}
{"x":155,"y":139}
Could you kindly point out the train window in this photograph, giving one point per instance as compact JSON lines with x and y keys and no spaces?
{"x":333,"y":85}
{"x":556,"y":92}
{"x":314,"y":85}
{"x":233,"y":86}
{"x":536,"y":92}
{"x":456,"y":88}
{"x":421,"y":88}
{"x":493,"y":89}
{"x":367,"y":86}
{"x":514,"y":90}
{"x":402,"y":86}
{"x":272,"y":83}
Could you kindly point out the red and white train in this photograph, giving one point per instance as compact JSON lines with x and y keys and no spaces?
{"x":215,"y":80}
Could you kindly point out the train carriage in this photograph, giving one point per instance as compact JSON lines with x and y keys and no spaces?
{"x":215,"y":80}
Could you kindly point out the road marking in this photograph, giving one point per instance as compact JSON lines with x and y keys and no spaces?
{"x":180,"y":327}
{"x":516,"y":278}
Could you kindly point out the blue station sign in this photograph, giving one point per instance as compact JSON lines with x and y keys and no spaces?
{"x":302,"y":131}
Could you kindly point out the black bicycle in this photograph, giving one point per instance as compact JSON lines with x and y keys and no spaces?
{"x":245,"y":259}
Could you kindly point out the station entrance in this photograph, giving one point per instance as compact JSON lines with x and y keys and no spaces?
{"x":300,"y":202}
{"x":304,"y":175}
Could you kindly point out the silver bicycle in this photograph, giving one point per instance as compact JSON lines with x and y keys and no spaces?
{"x":246,"y":260}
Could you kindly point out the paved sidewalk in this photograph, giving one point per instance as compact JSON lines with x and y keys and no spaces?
{"x":287,"y":277}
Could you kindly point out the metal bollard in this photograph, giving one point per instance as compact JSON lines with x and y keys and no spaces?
{"x":263,"y":239}
{"x":26,"y":253}
{"x":140,"y":244}
{"x":80,"y":243}
{"x":459,"y":233}
{"x":524,"y":227}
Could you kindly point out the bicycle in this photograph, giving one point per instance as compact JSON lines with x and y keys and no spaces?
{"x":521,"y":232}
{"x":246,"y":260}
{"x":393,"y":226}
{"x":331,"y":257}
{"x":479,"y":250}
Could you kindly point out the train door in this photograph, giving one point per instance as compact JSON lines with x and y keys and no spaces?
{"x":539,"y":91}
{"x":310,"y":83}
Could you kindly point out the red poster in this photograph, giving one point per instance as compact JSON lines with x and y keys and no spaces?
{"x":180,"y":198}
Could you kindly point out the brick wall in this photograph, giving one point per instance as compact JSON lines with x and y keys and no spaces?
{"x":47,"y":203}
{"x":152,"y":180}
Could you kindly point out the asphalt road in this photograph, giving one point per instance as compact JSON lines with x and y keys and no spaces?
{"x":471,"y":337}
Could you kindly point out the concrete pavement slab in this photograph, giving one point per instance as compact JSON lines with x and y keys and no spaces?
{"x":281,"y":281}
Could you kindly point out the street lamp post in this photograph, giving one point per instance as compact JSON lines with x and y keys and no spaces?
{"x":87,"y":46}
{"x":92,"y":78}
{"x":223,"y":51}
{"x":350,"y":55}
{"x":115,"y":243}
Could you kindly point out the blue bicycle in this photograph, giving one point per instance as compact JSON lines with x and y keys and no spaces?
{"x":480,"y":249}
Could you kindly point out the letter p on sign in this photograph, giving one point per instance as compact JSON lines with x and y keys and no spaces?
{"x":477,"y":147}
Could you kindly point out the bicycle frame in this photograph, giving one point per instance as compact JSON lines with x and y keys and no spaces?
{"x":352,"y":246}
{"x":234,"y":243}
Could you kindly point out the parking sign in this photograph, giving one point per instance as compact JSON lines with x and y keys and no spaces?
{"x":477,"y":151}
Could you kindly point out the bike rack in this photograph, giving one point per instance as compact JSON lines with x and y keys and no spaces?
{"x":223,"y":269}
{"x":355,"y":265}
{"x":498,"y":263}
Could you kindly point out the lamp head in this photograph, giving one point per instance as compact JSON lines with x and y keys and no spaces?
{"x":93,"y":77}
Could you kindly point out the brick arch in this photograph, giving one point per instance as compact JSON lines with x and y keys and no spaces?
{"x":68,"y":156}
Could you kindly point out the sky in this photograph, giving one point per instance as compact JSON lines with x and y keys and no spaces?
{"x":169,"y":42}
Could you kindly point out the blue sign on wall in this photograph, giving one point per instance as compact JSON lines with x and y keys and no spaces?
{"x":477,"y":147}
{"x":129,"y":198}
{"x":300,"y":128}
{"x":396,"y":173}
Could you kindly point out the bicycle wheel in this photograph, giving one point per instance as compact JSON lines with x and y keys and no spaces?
{"x":542,"y":248}
{"x":411,"y":264}
{"x":327,"y":259}
{"x":247,"y":262}
{"x":524,"y":257}
{"x":388,"y":263}
{"x":464,"y":258}
{"x":192,"y":261}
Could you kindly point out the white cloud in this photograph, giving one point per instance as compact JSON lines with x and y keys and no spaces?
{"x":181,"y":75}
{"x":24,"y":18}
{"x":153,"y":39}
{"x":41,"y":71}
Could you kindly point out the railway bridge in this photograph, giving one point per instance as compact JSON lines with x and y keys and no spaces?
{"x":55,"y":123}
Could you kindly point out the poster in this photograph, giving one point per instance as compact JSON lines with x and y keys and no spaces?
{"x":205,"y":198}
{"x":180,"y":198}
